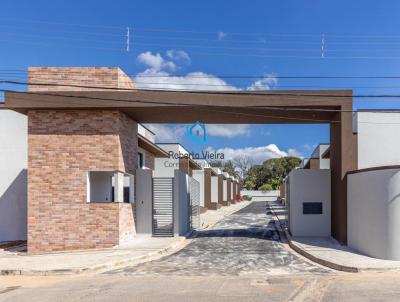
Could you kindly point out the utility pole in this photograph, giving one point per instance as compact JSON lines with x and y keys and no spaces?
{"x":127,"y":39}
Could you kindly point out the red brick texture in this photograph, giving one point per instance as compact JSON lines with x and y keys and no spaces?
{"x":109,"y":77}
{"x":149,"y":160}
{"x":64,"y":145}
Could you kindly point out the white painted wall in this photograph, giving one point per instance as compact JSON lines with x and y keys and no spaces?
{"x":225,"y":190}
{"x":13,"y":175}
{"x":324,"y":163}
{"x":259,"y":195}
{"x":373,"y":207}
{"x":199,"y":176}
{"x":181,"y":203}
{"x":100,"y":184}
{"x":142,"y":130}
{"x":214,"y":189}
{"x":165,"y":167}
{"x":309,"y":186}
{"x":378,"y":139}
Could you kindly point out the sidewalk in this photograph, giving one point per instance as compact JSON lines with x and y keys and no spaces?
{"x":142,"y":249}
{"x":328,"y":252}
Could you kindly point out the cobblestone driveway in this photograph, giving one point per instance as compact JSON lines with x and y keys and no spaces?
{"x":245,"y":243}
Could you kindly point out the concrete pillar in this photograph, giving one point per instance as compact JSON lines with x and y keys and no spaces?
{"x":119,"y":187}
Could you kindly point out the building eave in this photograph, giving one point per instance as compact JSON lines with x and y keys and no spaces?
{"x":149,"y":146}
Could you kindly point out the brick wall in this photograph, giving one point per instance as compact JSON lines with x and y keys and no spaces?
{"x":149,"y":160}
{"x":63,"y":147}
{"x":110,"y":77}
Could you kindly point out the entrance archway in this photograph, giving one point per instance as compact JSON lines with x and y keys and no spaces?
{"x":280,"y":107}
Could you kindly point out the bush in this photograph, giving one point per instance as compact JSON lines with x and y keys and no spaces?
{"x":265,"y":187}
{"x":249,"y":185}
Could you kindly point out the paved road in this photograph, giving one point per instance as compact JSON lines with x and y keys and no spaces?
{"x":240,"y":259}
{"x":245,"y":243}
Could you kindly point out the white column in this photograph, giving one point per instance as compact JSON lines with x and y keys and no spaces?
{"x":119,"y":187}
{"x":131,"y":189}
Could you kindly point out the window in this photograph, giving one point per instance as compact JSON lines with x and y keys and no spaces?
{"x":109,"y":186}
{"x":140,"y":160}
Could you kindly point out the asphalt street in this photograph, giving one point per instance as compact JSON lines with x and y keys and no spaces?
{"x":245,"y":243}
{"x":239,"y":259}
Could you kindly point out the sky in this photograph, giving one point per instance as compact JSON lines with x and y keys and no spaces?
{"x":235,"y":45}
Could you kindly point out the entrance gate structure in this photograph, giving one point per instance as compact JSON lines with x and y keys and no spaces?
{"x":194,"y":204}
{"x":163,"y":207}
{"x":332,"y":107}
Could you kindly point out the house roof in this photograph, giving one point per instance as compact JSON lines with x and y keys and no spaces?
{"x":194,"y":165}
{"x":149,"y":146}
{"x":327,"y":153}
{"x":213,"y":173}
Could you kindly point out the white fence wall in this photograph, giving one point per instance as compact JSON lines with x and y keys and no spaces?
{"x":373,"y":208}
{"x":214,"y":189}
{"x":13,"y":175}
{"x":307,"y":185}
{"x":259,"y":195}
{"x":378,"y":143}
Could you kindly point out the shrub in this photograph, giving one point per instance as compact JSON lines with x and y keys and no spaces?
{"x":265,"y":187}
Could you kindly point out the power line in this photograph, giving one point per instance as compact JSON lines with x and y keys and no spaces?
{"x":64,"y":31}
{"x":143,"y":84}
{"x":64,"y":45}
{"x":211,"y":107}
{"x":63,"y":23}
{"x":240,"y":76}
{"x":254,"y":93}
{"x":63,"y":38}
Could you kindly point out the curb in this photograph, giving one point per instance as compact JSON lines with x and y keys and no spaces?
{"x":296,"y":248}
{"x":102,"y":267}
{"x":329,"y":264}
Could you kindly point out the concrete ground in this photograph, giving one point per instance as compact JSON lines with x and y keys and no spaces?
{"x":239,"y":259}
{"x":143,"y":248}
{"x":245,"y":243}
{"x":328,"y":252}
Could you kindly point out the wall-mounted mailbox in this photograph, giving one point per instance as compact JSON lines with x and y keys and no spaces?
{"x":312,"y":207}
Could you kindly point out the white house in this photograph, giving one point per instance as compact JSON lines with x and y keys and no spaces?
{"x":13,"y":175}
{"x":373,"y":204}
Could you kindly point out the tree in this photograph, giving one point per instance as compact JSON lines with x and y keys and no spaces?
{"x":226,"y":166}
{"x":249,"y":185}
{"x":242,"y":164}
{"x":229,"y":168}
{"x":272,"y":171}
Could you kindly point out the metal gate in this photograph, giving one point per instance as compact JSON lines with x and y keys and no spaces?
{"x":163,"y":207}
{"x":194,"y":203}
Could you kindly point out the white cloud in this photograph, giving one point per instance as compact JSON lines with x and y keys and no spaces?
{"x":178,"y":55}
{"x":155,"y":62}
{"x":265,"y":83}
{"x":158,"y":75}
{"x":294,"y":152}
{"x":149,"y":79}
{"x":309,"y":147}
{"x":221,"y":35}
{"x":228,"y":130}
{"x":167,"y":133}
{"x":257,"y":154}
{"x":265,"y":132}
